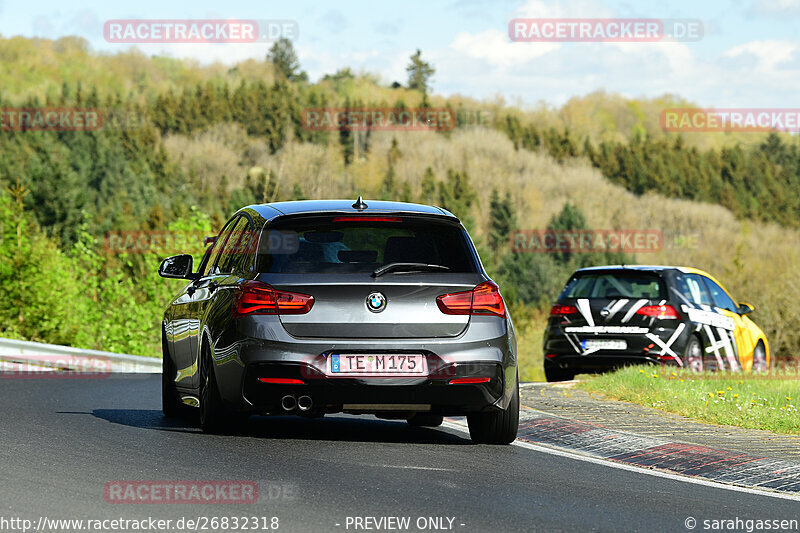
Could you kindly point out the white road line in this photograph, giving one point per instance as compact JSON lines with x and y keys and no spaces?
{"x":409,"y":467}
{"x":638,"y":469}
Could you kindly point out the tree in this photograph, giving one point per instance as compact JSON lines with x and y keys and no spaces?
{"x":457,"y":195}
{"x":284,"y":58}
{"x":419,"y":73}
{"x":428,"y":187}
{"x":387,"y":191}
{"x":502,"y":219}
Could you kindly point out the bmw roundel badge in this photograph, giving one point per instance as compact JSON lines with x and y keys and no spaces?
{"x":376,"y":302}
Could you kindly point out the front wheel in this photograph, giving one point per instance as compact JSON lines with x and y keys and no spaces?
{"x":693,"y":357}
{"x":496,"y":427}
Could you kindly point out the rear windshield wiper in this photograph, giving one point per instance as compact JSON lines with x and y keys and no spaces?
{"x":407,"y":267}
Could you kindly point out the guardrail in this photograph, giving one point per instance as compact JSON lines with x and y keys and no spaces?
{"x":55,"y":357}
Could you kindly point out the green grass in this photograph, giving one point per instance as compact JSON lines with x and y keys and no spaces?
{"x":756,"y":401}
{"x":529,"y":323}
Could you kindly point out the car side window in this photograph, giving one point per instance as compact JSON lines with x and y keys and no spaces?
{"x":204,"y":260}
{"x":720,"y":297}
{"x":235,"y":247}
{"x":698,"y":293}
{"x":211,"y":266}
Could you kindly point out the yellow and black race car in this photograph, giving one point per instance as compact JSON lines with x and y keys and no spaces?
{"x":610,"y":316}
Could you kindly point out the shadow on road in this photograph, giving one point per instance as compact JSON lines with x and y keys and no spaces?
{"x":329,"y":428}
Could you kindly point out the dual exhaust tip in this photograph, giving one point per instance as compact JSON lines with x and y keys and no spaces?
{"x":290,"y":403}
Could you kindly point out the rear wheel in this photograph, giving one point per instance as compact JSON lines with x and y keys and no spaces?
{"x":760,"y":358}
{"x":171,"y":406}
{"x":693,"y":358}
{"x":214,"y":417}
{"x":558,"y":374}
{"x":426,"y":420}
{"x":496,"y":427}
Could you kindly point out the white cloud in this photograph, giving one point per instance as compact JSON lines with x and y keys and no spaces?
{"x":496,"y":49}
{"x":769,"y":53}
{"x":778,"y":8}
{"x":554,"y":9}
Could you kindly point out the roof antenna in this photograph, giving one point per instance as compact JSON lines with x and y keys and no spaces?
{"x":359,"y":205}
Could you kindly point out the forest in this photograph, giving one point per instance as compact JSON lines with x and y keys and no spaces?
{"x":182,"y":146}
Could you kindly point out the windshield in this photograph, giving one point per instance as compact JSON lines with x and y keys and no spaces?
{"x":615,"y":285}
{"x":327,"y":245}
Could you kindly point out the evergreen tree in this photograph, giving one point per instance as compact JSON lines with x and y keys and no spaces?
{"x":428,"y":187}
{"x":283,"y":56}
{"x":387,"y":191}
{"x":419,"y":73}
{"x":502,"y":220}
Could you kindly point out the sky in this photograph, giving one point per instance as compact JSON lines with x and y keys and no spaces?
{"x":749,"y":55}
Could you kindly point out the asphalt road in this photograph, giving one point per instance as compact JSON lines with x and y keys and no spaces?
{"x":64,"y":439}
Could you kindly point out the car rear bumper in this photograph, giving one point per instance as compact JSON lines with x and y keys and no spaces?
{"x":599,"y":362}
{"x":486,"y":349}
{"x":434,"y":393}
{"x":568,"y":353}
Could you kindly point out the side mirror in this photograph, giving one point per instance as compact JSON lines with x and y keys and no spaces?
{"x":745,"y":308}
{"x":177,"y":266}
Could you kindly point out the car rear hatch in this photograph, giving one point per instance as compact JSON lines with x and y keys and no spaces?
{"x":337,"y":259}
{"x":598,"y":307}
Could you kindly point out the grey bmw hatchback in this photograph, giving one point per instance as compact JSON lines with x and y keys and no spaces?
{"x":317,"y":307}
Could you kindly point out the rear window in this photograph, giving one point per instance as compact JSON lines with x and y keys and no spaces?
{"x":323,"y":245}
{"x":615,"y":285}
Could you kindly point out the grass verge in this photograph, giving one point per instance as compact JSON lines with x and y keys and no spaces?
{"x":755,"y":401}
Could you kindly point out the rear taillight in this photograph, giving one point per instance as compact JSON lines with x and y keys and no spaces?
{"x":659,"y":311}
{"x":256,"y":298}
{"x":563,"y":310}
{"x":484,"y":299}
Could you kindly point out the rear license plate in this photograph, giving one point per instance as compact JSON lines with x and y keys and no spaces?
{"x":604,"y":344}
{"x":377,"y":365}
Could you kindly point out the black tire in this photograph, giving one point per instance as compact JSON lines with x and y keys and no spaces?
{"x":214,"y":417}
{"x":759,"y":358}
{"x":496,"y":427}
{"x":426,"y":420}
{"x":693,"y":355}
{"x":558,"y":374}
{"x":171,"y":406}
